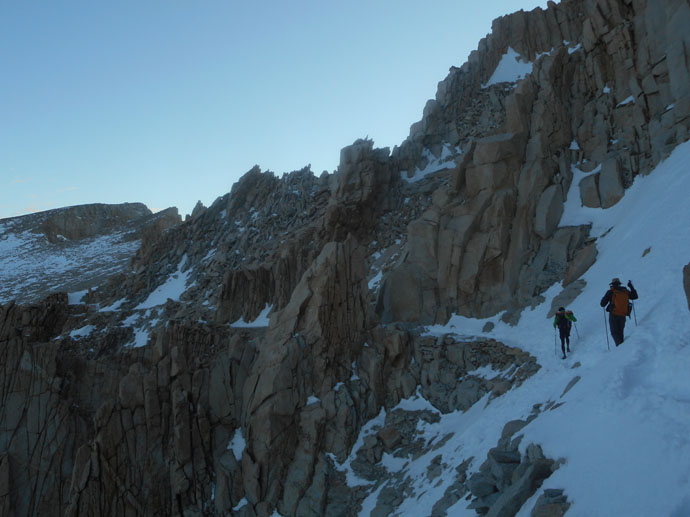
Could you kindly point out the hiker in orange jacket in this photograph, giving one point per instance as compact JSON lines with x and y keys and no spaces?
{"x":617,"y":303}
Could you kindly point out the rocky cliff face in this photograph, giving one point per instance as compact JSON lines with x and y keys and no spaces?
{"x":206,"y":416}
{"x":608,"y":96}
{"x":79,"y":222}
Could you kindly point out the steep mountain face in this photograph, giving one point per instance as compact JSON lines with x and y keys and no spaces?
{"x":168,"y":392}
{"x":608,"y":94}
{"x":72,"y":249}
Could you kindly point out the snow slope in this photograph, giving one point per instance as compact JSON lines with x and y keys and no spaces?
{"x":31,"y":267}
{"x":510,"y":69}
{"x":624,"y":428}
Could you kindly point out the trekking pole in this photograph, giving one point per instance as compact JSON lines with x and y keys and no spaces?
{"x":577,"y":331}
{"x":635,"y":314}
{"x":606,"y":331}
{"x":554,"y":342}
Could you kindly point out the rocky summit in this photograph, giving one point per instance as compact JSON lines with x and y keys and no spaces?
{"x":275,"y":353}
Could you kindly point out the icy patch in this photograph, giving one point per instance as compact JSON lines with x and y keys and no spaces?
{"x":510,"y":69}
{"x":485,"y":372}
{"x":374,"y":282}
{"x":574,"y":146}
{"x":369,"y":503}
{"x":141,"y":337}
{"x":130,"y":320}
{"x":75,"y":298}
{"x":434,"y":164}
{"x":237,"y":444}
{"x":210,"y":254}
{"x":607,"y":89}
{"x":262,"y":320}
{"x":354,"y":376}
{"x":548,"y":53}
{"x":416,"y":403}
{"x":626,"y":101}
{"x":313,"y":400}
{"x":575,"y":48}
{"x":114,"y":306}
{"x":393,"y":463}
{"x":171,"y":289}
{"x":243,"y":502}
{"x":82,"y":332}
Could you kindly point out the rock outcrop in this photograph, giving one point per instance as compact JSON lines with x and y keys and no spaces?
{"x":507,"y":478}
{"x":495,"y":241}
{"x":80,"y":222}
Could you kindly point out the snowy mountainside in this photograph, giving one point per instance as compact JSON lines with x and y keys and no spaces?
{"x":617,"y":418}
{"x":71,"y":249}
{"x":379,"y":340}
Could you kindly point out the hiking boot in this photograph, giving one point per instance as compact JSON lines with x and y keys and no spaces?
{"x":568,"y":349}
{"x":563,"y":356}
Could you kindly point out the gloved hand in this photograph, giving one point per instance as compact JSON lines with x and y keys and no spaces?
{"x":630,"y":284}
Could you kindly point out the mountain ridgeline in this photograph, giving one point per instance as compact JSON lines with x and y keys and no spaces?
{"x":159,"y":391}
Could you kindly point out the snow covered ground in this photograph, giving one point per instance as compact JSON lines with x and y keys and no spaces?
{"x":31,"y":267}
{"x":510,"y":69}
{"x":447,"y":160}
{"x":624,"y":428}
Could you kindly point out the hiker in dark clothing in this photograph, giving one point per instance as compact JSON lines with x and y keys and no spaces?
{"x":564,"y":321}
{"x":617,"y":303}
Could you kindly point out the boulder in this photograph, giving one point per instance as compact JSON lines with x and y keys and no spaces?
{"x":511,"y":500}
{"x":589,"y":191}
{"x":610,"y":183}
{"x":390,"y":438}
{"x":551,"y":503}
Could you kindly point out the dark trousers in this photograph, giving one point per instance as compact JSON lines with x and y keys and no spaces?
{"x":565,"y":338}
{"x":617,"y":326}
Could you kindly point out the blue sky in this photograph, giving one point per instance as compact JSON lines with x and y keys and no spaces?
{"x":170,"y":102}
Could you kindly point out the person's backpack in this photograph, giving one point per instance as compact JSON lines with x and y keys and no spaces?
{"x":620,"y":302}
{"x":561,"y":321}
{"x":568,"y":315}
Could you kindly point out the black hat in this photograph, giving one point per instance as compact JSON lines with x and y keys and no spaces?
{"x":561,"y":308}
{"x":616,"y":281}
